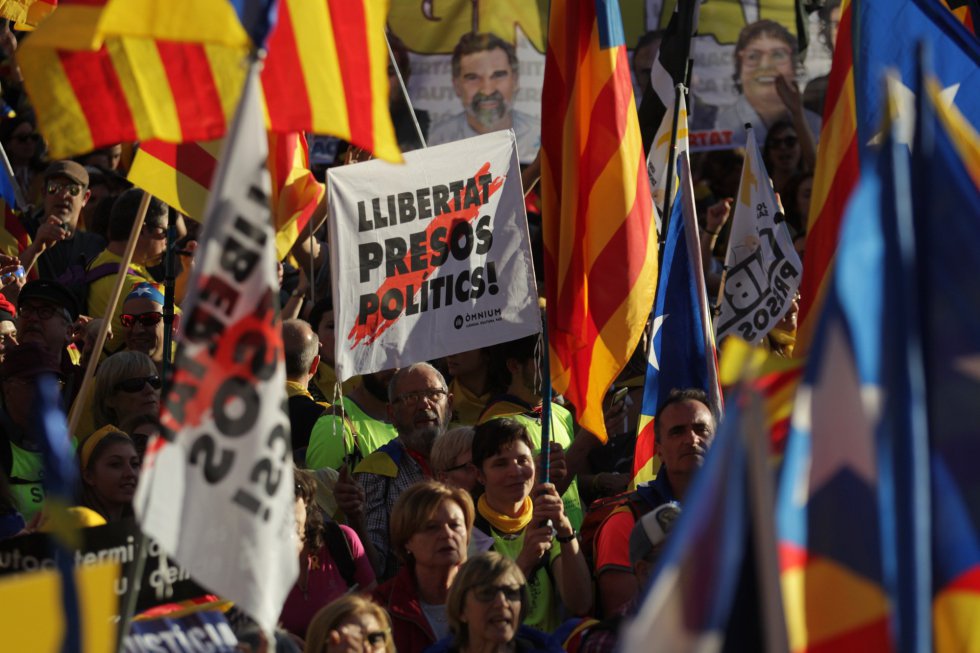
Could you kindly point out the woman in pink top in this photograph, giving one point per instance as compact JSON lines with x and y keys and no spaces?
{"x":332,"y":561}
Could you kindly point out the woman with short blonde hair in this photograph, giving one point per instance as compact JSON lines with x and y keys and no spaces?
{"x":430,"y":533}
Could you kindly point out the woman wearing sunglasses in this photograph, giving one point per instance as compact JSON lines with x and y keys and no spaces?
{"x":351,"y":624}
{"x":126,"y":386}
{"x":110,"y":468}
{"x":487,"y":604}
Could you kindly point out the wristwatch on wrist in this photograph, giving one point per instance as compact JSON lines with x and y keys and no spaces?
{"x":574,"y":535}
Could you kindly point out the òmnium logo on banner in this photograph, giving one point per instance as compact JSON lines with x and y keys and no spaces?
{"x":431,"y":257}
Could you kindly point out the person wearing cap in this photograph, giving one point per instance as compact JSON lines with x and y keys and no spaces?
{"x":20,"y":452}
{"x":57,"y":243}
{"x":142,"y":321}
{"x":647,"y":542}
{"x":683,"y":430}
{"x":150,"y":247}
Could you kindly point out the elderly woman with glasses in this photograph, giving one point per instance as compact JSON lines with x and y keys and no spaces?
{"x":430,"y":533}
{"x":487,"y":604}
{"x":351,"y":624}
{"x":127,"y":385}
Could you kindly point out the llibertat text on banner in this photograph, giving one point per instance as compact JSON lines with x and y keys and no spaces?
{"x":226,"y":452}
{"x":432,"y":257}
{"x":762,"y":268}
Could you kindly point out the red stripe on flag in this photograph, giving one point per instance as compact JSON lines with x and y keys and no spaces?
{"x":349,"y":28}
{"x":645,"y":448}
{"x":871,"y":636}
{"x":100,"y":95}
{"x":282,"y":77}
{"x":190,"y":159}
{"x":13,"y":226}
{"x":791,"y":556}
{"x":969,"y":581}
{"x":192,"y":84}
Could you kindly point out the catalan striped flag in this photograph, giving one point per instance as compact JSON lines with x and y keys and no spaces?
{"x":834,"y":179}
{"x":327,"y":73}
{"x":92,"y":88}
{"x":600,"y":240}
{"x":181,"y":175}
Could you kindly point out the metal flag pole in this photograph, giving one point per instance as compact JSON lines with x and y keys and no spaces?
{"x":401,"y":84}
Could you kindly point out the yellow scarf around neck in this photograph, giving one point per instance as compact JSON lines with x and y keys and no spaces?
{"x":506,"y":523}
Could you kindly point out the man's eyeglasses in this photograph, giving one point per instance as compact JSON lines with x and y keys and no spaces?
{"x":413,"y":398}
{"x":54,"y":188}
{"x":42,"y":311}
{"x":137,"y":383}
{"x":487,"y":593}
{"x":148,"y":319}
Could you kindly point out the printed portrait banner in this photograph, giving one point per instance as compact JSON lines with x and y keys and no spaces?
{"x":432,"y":257}
{"x":112,"y":543}
{"x":762,"y":268}
{"x":431,"y":30}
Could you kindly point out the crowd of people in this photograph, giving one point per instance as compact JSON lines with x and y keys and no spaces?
{"x":425,"y":520}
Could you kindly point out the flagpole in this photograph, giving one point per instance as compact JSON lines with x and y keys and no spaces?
{"x":762,"y":502}
{"x":93,"y":361}
{"x":545,"y":399}
{"x":168,"y":303}
{"x":401,"y":83}
{"x":665,"y":215}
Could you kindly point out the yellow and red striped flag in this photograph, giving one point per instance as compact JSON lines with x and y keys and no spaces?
{"x":600,"y":239}
{"x":27,"y":13}
{"x":836,"y":175}
{"x":102,"y":72}
{"x":181,"y":175}
{"x":92,"y":87}
{"x":327,"y":73}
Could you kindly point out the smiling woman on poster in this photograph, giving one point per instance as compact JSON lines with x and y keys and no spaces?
{"x":764,"y":52}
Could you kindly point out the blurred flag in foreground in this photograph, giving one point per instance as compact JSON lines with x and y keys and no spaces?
{"x":599,"y":235}
{"x":227,"y":448}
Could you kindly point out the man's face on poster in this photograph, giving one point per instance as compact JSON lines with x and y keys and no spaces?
{"x":763,"y":59}
{"x":486,"y":85}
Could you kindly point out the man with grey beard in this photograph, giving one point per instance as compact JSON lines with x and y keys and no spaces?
{"x":486,"y":79}
{"x":419,"y":407}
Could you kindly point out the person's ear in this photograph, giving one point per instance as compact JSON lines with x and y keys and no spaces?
{"x":86,"y":196}
{"x":315,"y":364}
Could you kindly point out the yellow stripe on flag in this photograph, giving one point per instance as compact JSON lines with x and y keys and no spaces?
{"x":200,"y":21}
{"x":169,"y":185}
{"x":321,"y":69}
{"x":228,"y":72}
{"x":59,"y":113}
{"x":147,"y":88}
{"x":385,"y":143}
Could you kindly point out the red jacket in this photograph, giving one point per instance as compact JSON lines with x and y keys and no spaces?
{"x":409,"y":627}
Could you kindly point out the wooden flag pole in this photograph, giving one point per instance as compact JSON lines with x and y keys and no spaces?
{"x":93,"y":361}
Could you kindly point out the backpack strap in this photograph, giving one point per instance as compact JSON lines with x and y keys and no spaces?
{"x":340,"y":551}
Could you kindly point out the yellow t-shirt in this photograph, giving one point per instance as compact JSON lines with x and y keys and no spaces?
{"x":100,"y":290}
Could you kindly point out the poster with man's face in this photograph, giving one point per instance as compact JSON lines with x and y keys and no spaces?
{"x":476,"y":66}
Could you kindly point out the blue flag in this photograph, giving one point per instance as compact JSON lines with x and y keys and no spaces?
{"x":886,"y":37}
{"x":946,"y":197}
{"x":60,"y":478}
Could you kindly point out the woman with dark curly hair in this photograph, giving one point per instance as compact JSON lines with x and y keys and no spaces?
{"x":331,"y":556}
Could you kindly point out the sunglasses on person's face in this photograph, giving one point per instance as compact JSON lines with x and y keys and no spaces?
{"x":487,"y":593}
{"x":54,"y":188}
{"x":149,"y":319}
{"x":138,"y":383}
